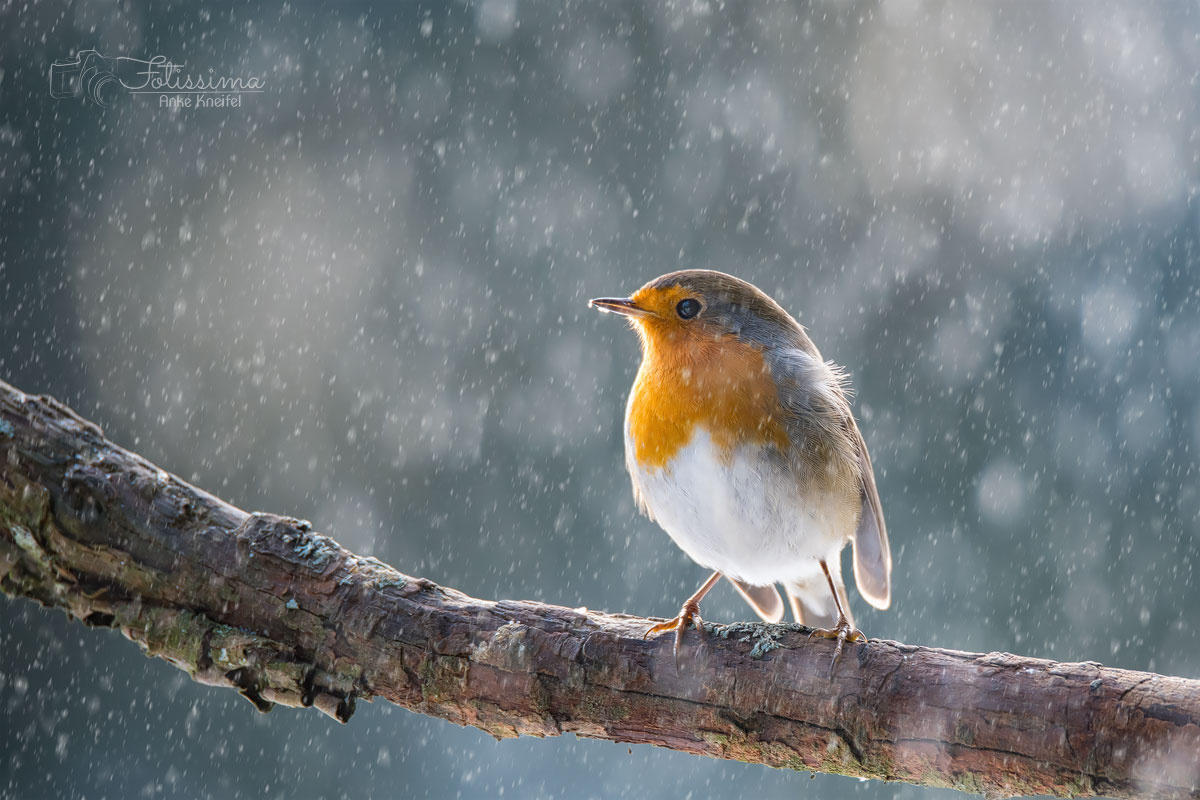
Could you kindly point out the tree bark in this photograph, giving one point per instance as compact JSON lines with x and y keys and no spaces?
{"x":262,"y":604}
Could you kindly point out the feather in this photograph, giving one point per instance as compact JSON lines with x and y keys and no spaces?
{"x":811,"y":602}
{"x":765,"y":600}
{"x":872,"y":553}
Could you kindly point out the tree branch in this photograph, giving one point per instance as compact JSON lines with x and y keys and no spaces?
{"x":262,"y":604}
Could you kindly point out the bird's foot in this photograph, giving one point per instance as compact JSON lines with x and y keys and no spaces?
{"x":688,"y":615}
{"x":843,"y":632}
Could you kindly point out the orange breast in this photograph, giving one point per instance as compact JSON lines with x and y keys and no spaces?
{"x":721,"y":386}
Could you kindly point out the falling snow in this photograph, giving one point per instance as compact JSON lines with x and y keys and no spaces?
{"x":360,"y":297}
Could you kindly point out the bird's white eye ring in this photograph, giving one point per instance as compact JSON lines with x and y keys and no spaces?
{"x":687,"y":308}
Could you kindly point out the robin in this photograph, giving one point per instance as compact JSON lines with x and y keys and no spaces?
{"x":741,"y":444}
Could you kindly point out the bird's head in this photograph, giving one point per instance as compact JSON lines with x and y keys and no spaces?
{"x":695,"y":310}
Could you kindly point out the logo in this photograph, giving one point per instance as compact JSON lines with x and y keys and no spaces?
{"x":97,"y":79}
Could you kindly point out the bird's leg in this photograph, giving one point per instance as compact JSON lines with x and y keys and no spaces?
{"x":842,"y":631}
{"x":688,"y":615}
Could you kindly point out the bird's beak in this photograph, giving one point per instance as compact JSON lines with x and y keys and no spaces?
{"x":619,"y":305}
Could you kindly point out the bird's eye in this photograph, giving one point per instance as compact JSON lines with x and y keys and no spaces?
{"x":686,"y":309}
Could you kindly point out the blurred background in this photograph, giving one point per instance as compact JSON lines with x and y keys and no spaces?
{"x":360,"y":298}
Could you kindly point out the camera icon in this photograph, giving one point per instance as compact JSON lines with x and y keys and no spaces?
{"x":90,"y":76}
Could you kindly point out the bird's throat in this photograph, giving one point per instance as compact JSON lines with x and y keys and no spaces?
{"x":723,"y":387}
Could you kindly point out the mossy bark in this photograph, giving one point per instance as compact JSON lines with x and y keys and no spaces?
{"x":264,"y":605}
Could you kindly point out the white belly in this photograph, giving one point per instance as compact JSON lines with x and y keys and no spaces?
{"x":744,"y":518}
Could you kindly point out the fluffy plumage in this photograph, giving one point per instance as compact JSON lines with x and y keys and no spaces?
{"x":741,"y":444}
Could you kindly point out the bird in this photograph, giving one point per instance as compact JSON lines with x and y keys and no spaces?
{"x":741,"y":444}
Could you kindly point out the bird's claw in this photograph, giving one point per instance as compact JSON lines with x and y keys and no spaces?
{"x":843,"y":632}
{"x":688,"y":615}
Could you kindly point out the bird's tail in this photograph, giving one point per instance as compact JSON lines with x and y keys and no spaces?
{"x":812,"y":603}
{"x":765,"y":600}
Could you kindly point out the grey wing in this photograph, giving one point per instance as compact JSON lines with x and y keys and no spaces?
{"x":815,"y":390}
{"x":872,"y":554}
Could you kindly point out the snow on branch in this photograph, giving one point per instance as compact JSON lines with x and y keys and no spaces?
{"x":262,"y":604}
